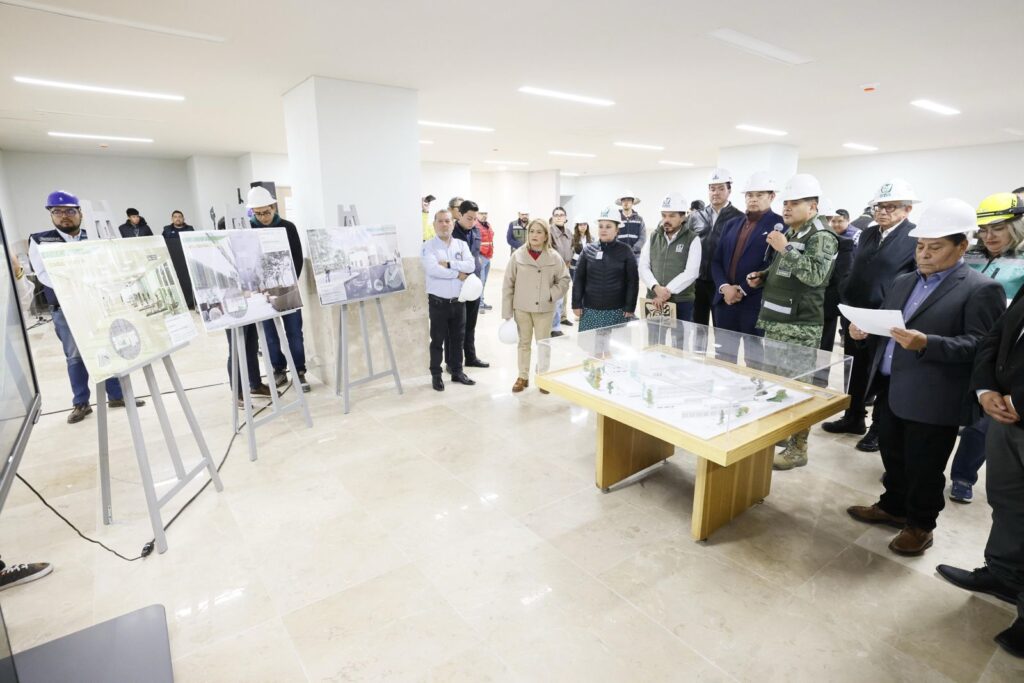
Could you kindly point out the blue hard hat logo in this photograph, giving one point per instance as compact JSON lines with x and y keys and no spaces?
{"x":61,"y":198}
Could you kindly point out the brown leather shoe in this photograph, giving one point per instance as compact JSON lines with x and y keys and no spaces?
{"x":544,"y":391}
{"x":911,"y":542}
{"x":875,"y":515}
{"x":520,"y":385}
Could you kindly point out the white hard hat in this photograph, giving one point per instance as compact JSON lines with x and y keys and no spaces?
{"x":719,"y":176}
{"x":610,"y":213}
{"x":946,"y":217}
{"x":472,"y":288}
{"x":674,"y":202}
{"x":581,"y":219}
{"x":801,"y":186}
{"x":522,"y":210}
{"x":259,"y":196}
{"x":630,"y":194}
{"x":896,"y":190}
{"x":508,"y":332}
{"x":761,"y":181}
{"x":825,"y":207}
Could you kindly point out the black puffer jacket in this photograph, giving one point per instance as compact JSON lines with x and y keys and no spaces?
{"x":606,"y":277}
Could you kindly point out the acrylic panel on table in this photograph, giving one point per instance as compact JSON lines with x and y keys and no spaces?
{"x":241,"y":276}
{"x":122,"y":301}
{"x":355,"y":262}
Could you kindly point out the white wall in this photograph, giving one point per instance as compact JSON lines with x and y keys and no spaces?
{"x":593,"y":193}
{"x":264,"y":167}
{"x":445,"y":181}
{"x":7,"y":210}
{"x":153,"y":186}
{"x":213,"y":184}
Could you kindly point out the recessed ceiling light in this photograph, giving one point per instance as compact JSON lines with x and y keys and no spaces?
{"x":758,"y":47}
{"x":675,"y":163}
{"x":426,"y":142}
{"x":507,"y":163}
{"x":104,"y":19}
{"x":758,"y":129}
{"x":98,"y":89}
{"x":637,"y":145}
{"x":456,"y":126}
{"x":584,"y":155}
{"x":566,"y":174}
{"x":85,"y":136}
{"x":583,"y":99}
{"x":936,"y":107}
{"x":859,"y":147}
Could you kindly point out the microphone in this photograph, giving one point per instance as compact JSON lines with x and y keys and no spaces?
{"x":778,"y":227}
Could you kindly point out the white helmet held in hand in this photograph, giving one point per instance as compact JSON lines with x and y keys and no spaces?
{"x":508,"y":332}
{"x":801,"y":186}
{"x":761,"y":181}
{"x":944,"y":218}
{"x":259,"y":196}
{"x":674,"y":202}
{"x":472,"y":288}
{"x":610,"y":213}
{"x":896,"y":190}
{"x":719,"y":176}
{"x":629,"y":194}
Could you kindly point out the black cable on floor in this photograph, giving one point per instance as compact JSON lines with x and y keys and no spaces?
{"x":147,"y":549}
{"x":162,"y":393}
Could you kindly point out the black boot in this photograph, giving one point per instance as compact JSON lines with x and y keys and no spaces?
{"x":847,"y":424}
{"x":1012,"y":639}
{"x":869,"y":444}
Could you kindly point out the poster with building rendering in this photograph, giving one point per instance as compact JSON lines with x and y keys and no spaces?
{"x":241,"y":276}
{"x":122,"y":301}
{"x":355,"y":262}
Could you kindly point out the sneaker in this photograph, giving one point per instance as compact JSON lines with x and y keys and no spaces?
{"x":303,"y":383}
{"x":119,"y":403}
{"x":961,"y":492}
{"x":18,"y":574}
{"x":486,"y":307}
{"x":79,"y":412}
{"x":280,"y":378}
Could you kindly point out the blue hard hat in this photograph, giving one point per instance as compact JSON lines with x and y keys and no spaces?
{"x":61,"y":198}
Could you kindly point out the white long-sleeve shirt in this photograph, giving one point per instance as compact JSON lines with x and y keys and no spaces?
{"x":441,"y":281}
{"x":679,"y":282}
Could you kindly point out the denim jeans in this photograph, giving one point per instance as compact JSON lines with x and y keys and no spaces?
{"x":970,"y":454}
{"x":251,"y":344}
{"x":77,"y":373}
{"x":293,"y":330}
{"x":556,"y":319}
{"x":485,"y":269}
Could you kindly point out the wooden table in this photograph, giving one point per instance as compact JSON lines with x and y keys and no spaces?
{"x":734,"y":469}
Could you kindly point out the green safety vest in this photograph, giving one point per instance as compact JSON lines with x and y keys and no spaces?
{"x":786,"y":298}
{"x":669,"y":260}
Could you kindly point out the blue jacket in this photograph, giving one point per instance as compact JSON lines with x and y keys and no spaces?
{"x":756,"y":256}
{"x":473,"y":239}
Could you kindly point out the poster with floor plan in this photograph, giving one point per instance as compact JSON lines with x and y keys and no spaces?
{"x":241,"y":276}
{"x":702,"y":399}
{"x":122,"y":301}
{"x":355,"y":262}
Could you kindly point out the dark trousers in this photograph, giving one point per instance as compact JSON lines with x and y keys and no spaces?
{"x":858,"y":378}
{"x":731,"y":322}
{"x":252,"y":362}
{"x":704,"y":294}
{"x":447,"y":330}
{"x":828,"y":332}
{"x":914,"y":455}
{"x":970,"y":454}
{"x":1004,"y":485}
{"x":469,"y":344}
{"x":293,"y":331}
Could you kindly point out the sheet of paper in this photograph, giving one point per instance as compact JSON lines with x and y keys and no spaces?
{"x":874,"y":321}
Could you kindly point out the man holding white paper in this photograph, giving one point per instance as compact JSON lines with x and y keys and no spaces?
{"x":921,"y":373}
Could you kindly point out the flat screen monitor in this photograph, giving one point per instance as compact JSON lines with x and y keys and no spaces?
{"x":19,"y":390}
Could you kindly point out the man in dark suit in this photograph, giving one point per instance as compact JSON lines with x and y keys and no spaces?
{"x":743,"y":249}
{"x":998,"y":380}
{"x":921,"y":374}
{"x":884,"y":253}
{"x":717,"y":214}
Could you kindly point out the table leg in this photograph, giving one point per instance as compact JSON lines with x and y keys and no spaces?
{"x":723,"y":493}
{"x":622,"y":451}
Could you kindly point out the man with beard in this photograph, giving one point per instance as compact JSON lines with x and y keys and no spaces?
{"x":561,"y":242}
{"x":135,"y":226}
{"x":66,"y":214}
{"x":669,"y":262}
{"x":172,"y":238}
{"x":718,"y":213}
{"x":516,"y":235}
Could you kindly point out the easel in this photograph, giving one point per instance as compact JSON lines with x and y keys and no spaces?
{"x":139,"y":442}
{"x":240,"y":371}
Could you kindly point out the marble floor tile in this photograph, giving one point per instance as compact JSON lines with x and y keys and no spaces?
{"x":261,"y":654}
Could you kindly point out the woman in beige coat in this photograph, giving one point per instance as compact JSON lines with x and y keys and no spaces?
{"x":535,"y":279}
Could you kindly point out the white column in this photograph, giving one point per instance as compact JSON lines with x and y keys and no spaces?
{"x":213,"y":181}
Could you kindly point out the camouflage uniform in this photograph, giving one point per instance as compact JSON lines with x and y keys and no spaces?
{"x":805,"y":270}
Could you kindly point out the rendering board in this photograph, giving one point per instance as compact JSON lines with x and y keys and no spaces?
{"x":355,"y":262}
{"x":121,"y":299}
{"x":698,"y":398}
{"x":241,"y":276}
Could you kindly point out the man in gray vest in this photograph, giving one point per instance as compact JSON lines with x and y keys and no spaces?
{"x":670,"y":260}
{"x":793,"y":308}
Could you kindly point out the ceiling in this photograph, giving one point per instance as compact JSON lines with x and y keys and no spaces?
{"x":672,"y":84}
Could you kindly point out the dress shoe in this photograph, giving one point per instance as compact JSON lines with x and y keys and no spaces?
{"x":79,"y":412}
{"x":961,"y":492}
{"x":869,"y":444}
{"x":119,"y":403}
{"x":875,"y":515}
{"x":566,"y":321}
{"x":557,"y":333}
{"x":520,"y":385}
{"x":980,"y":580}
{"x":1012,"y":639}
{"x":437,"y":383}
{"x":260,"y":390}
{"x":544,"y":391}
{"x":911,"y":542}
{"x":461,"y":378}
{"x":486,"y":307}
{"x":477,"y":363}
{"x":845,"y":425}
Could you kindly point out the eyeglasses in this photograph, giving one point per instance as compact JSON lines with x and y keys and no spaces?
{"x":887,"y":208}
{"x":994,"y":229}
{"x":68,"y":211}
{"x":262,"y":214}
